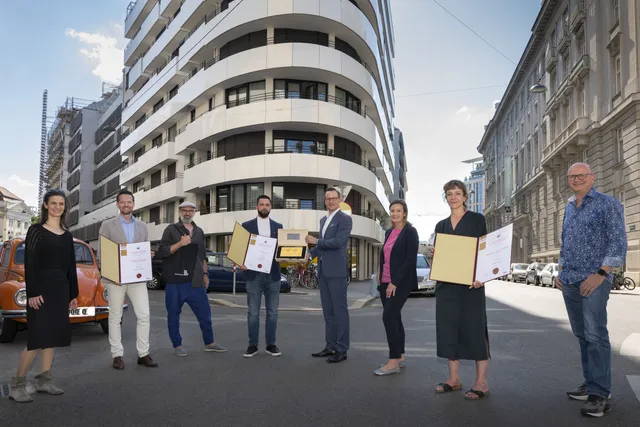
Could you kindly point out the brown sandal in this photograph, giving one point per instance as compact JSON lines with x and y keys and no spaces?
{"x":446,"y":388}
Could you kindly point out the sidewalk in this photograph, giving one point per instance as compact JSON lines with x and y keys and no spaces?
{"x":301,"y":299}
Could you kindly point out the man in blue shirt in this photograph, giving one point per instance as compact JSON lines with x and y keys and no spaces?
{"x":594,"y":241}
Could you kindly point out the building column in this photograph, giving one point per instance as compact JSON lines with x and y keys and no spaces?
{"x":268,"y":139}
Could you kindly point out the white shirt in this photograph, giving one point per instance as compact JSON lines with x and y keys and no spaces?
{"x":326,"y":223}
{"x":264,"y":226}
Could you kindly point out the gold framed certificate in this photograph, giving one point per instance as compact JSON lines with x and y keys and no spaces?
{"x":128,"y":263}
{"x":292,"y":246}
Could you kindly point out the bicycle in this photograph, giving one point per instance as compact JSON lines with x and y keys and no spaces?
{"x":303,"y":276}
{"x":620,"y":281}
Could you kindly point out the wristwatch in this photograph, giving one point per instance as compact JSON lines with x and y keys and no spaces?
{"x":602,"y":273}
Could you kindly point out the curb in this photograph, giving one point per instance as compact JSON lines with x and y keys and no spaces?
{"x":358,"y":304}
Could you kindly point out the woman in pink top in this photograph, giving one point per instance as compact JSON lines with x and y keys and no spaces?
{"x":396,"y":278}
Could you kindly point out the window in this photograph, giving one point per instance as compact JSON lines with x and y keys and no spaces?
{"x":243,"y":43}
{"x":299,"y":142}
{"x":5,"y":255}
{"x":584,"y":156}
{"x":231,"y":198}
{"x":617,"y":68}
{"x":582,"y":108}
{"x":581,"y":46}
{"x":556,"y":228}
{"x":616,"y":11}
{"x":346,"y":99}
{"x":287,"y":35}
{"x":566,"y":67}
{"x":618,"y":145}
{"x":300,"y":89}
{"x":242,"y":145}
{"x":246,"y":93}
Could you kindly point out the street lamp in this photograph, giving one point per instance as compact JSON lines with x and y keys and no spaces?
{"x":538,"y":88}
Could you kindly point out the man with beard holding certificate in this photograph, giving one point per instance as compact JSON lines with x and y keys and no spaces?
{"x":263,"y":283}
{"x":186,"y":275}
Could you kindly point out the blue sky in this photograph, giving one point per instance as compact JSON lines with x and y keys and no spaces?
{"x":71,"y":46}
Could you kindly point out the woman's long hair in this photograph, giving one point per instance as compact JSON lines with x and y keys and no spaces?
{"x":44,"y":212}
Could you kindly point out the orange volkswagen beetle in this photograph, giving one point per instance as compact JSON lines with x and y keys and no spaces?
{"x":92,"y":298}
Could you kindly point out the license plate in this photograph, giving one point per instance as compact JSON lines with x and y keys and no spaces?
{"x":82,"y":312}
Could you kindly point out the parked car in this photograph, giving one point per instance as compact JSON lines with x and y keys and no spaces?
{"x":533,"y":273}
{"x":220,"y":271}
{"x":424,"y":285}
{"x":93,"y":305}
{"x":549,"y":274}
{"x":518,"y":272}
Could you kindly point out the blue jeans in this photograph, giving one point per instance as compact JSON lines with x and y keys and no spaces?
{"x":175,"y":297}
{"x":588,"y":317}
{"x":263,"y":284}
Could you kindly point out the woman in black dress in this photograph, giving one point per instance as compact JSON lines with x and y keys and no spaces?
{"x":52,"y":288}
{"x":461,"y":318}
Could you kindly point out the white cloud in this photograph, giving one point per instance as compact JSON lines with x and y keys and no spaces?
{"x":21,"y":182}
{"x":474,"y":115}
{"x":104,"y":51}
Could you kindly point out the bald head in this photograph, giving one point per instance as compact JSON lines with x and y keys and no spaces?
{"x":579,"y":167}
{"x":580,"y":178}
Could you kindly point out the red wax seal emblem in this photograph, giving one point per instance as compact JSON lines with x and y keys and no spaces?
{"x":259,"y":265}
{"x":496,"y":270}
{"x":138,"y":275}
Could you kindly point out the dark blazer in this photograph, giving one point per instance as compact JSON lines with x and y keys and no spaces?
{"x":331,"y":249}
{"x":403,"y":259}
{"x":252,"y":227}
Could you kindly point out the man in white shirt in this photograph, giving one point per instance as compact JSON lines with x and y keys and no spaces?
{"x":262,"y":283}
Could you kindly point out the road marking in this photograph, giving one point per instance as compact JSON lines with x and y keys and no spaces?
{"x":4,"y":390}
{"x":631,"y":346}
{"x":634,"y":382}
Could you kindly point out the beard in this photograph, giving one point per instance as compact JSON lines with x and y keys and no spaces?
{"x":186,"y":220}
{"x":263,"y":213}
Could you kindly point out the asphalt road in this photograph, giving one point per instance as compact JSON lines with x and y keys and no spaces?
{"x":535,"y":360}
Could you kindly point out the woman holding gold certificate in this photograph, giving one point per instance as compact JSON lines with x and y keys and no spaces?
{"x":461,"y":318}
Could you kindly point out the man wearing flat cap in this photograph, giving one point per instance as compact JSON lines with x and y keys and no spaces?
{"x":184,"y":271}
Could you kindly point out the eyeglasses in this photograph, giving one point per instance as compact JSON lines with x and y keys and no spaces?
{"x":579,"y":177}
{"x":332,"y":198}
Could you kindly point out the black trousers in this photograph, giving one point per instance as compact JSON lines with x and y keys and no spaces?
{"x":392,"y":319}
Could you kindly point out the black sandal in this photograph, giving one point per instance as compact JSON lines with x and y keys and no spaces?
{"x":446,"y":388}
{"x":480,"y":394}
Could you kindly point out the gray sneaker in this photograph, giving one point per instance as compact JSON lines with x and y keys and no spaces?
{"x":595,"y":406}
{"x":215,"y":348}
{"x":18,"y":390}
{"x":580,"y":393}
{"x":179,"y":351}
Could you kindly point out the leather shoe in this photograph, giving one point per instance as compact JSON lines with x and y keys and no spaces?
{"x":324,"y":353}
{"x":118,"y":363}
{"x":337,"y":357}
{"x":147,"y":361}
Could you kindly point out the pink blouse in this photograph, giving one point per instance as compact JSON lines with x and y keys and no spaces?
{"x":386,"y":268}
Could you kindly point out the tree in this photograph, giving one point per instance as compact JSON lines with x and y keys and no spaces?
{"x":35,"y":219}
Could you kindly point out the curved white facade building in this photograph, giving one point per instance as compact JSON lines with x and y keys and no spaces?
{"x":227,"y":100}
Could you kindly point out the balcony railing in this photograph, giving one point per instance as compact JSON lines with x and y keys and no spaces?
{"x":581,"y":68}
{"x":281,"y":149}
{"x":216,"y":58}
{"x":164,"y":220}
{"x":297,"y":204}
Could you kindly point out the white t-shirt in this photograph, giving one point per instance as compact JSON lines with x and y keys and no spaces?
{"x":326,"y":223}
{"x":264,"y":227}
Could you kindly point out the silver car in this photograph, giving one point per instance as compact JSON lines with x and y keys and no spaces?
{"x":424,"y":285}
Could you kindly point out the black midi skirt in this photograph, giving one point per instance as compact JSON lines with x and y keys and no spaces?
{"x":49,"y":326}
{"x":461,"y":322}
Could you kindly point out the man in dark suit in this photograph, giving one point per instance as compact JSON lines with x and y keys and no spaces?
{"x":331,"y":250}
{"x":262,"y":283}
